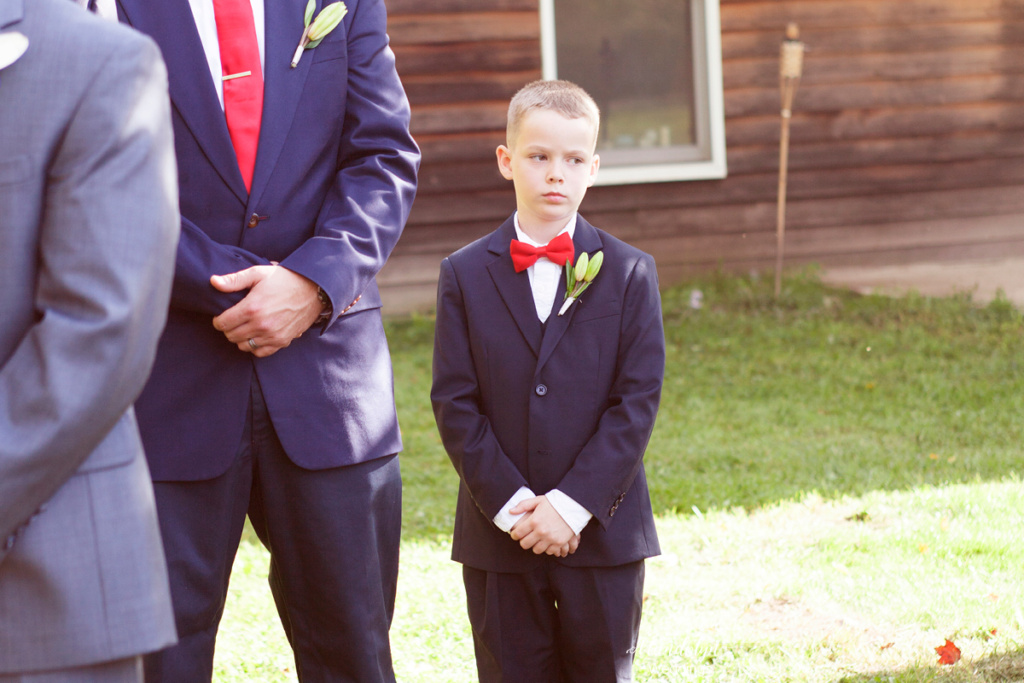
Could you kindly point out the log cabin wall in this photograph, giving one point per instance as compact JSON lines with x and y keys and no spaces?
{"x":906,"y":143}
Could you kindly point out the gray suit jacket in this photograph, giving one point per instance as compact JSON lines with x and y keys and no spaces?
{"x":88,"y":229}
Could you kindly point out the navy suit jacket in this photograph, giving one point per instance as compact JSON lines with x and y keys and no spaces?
{"x":333,"y":184}
{"x":568,"y":406}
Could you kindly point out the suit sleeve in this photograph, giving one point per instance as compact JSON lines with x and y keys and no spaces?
{"x":366,"y":209}
{"x":489,"y":475}
{"x":606,"y":467}
{"x":106,"y":254}
{"x":198,"y":258}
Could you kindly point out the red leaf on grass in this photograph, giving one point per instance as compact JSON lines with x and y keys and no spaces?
{"x":948,"y":653}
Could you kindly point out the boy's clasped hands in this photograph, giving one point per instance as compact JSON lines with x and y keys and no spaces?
{"x":542,"y":529}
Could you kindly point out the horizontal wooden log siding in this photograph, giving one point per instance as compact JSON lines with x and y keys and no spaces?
{"x":907,"y":137}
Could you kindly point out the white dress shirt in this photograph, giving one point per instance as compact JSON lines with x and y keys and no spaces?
{"x":546,"y":277}
{"x":206,"y":24}
{"x":546,"y":280}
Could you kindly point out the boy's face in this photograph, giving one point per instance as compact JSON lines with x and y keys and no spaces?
{"x":551,"y":165}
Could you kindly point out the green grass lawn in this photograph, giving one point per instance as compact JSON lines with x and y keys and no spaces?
{"x":836,"y":482}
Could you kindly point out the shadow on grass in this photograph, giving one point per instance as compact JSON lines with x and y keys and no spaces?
{"x":997,"y":668}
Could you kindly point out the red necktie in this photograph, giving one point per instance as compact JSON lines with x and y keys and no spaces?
{"x":243,"y":94}
{"x":558,"y":251}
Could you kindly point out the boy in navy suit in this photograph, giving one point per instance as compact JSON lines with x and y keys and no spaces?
{"x":545,"y":406}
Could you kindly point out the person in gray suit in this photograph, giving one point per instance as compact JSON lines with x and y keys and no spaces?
{"x":88,"y":230}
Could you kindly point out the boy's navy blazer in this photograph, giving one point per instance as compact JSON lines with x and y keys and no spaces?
{"x":333,"y":185}
{"x":569,"y":405}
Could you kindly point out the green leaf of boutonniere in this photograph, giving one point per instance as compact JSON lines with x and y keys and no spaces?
{"x":570,"y":277}
{"x":317,"y":29}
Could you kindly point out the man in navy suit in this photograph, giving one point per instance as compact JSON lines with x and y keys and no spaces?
{"x":272,"y":390}
{"x":545,"y":406}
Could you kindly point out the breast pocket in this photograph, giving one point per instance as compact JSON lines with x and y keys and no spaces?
{"x":596,"y":310}
{"x":333,"y":47}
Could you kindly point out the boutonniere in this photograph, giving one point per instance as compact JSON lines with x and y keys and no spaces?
{"x":12,"y":47}
{"x":317,"y":29}
{"x":578,"y":278}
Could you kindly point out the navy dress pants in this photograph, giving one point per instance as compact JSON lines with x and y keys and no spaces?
{"x":555,"y":624}
{"x":333,"y":538}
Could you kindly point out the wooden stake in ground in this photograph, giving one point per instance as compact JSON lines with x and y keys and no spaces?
{"x":790,"y":67}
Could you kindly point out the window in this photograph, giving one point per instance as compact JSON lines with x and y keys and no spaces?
{"x":654,"y":67}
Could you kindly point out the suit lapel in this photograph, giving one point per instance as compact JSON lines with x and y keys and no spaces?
{"x":282,"y":85}
{"x":585,"y":239}
{"x":193,"y":94}
{"x":513,"y":287}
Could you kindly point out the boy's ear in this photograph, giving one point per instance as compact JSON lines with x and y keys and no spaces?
{"x":504,"y":161}
{"x":594,"y":165}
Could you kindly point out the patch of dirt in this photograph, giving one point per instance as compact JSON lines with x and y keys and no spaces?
{"x":981,"y":278}
{"x":798,"y":621}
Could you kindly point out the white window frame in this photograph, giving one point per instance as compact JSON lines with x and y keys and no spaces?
{"x":710,"y":118}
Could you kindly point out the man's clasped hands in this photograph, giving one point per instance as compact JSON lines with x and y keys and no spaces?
{"x":280,"y":306}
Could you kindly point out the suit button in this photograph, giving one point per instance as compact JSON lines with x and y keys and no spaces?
{"x":541,"y":390}
{"x":254,"y":220}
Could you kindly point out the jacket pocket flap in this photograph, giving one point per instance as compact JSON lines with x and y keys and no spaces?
{"x":121,"y":446}
{"x":597,"y":309}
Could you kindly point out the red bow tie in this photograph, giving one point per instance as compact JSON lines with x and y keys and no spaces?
{"x":559,"y":251}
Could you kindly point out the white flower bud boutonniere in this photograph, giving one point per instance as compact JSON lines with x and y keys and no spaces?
{"x":317,"y":29}
{"x":12,"y":47}
{"x":578,"y":278}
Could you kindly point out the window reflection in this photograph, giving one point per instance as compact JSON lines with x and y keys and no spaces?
{"x":637,"y":61}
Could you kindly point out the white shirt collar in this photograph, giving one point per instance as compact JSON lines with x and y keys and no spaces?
{"x":570,"y":227}
{"x":105,"y":9}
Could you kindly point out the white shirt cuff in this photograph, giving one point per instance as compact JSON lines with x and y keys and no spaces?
{"x":505,"y":521}
{"x":574,"y":514}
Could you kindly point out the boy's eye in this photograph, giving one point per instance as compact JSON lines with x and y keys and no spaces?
{"x":575,"y":160}
{"x":538,"y":157}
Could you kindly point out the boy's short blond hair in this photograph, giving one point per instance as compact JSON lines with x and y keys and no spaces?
{"x":564,"y":97}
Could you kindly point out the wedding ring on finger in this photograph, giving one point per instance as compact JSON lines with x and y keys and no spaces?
{"x":252,"y":344}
